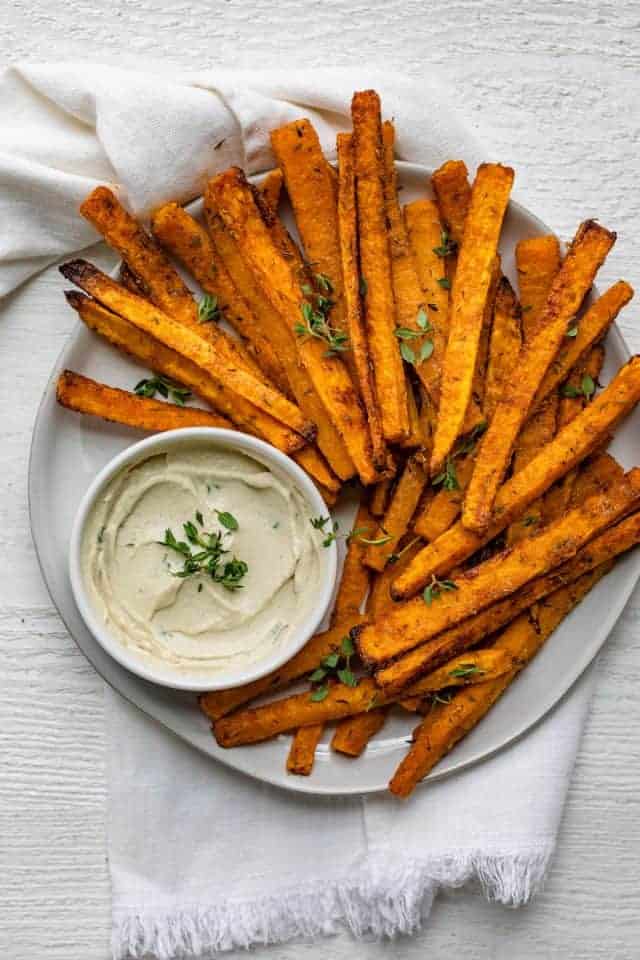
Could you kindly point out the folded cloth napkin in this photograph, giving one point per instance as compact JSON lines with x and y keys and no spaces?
{"x":201,"y":858}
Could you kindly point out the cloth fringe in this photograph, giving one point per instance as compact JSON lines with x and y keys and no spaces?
{"x":379,"y":900}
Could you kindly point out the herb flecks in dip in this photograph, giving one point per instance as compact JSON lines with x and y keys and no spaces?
{"x":196,"y":622}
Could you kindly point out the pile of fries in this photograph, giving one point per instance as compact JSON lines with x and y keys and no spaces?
{"x":388,"y":347}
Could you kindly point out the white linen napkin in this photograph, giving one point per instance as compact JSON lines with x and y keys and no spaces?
{"x":202,"y":858}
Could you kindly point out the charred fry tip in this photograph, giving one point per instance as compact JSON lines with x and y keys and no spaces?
{"x":75,"y":299}
{"x":77,"y":270}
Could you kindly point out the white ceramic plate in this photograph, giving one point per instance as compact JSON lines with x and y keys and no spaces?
{"x":68,"y":450}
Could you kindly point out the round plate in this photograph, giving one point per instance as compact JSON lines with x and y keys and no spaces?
{"x":67,"y":451}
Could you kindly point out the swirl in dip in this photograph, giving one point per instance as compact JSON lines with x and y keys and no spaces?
{"x":195,"y":621}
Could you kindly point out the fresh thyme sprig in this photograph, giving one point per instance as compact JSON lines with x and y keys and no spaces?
{"x":586,"y":389}
{"x":406,"y":335}
{"x":436,"y":588}
{"x":207,"y":559}
{"x":335,"y":665}
{"x":447,"y":245}
{"x":208,"y":309}
{"x":165,"y":387}
{"x":466,"y":670}
{"x":315,"y":314}
{"x":332,"y":533}
{"x":448,"y":477}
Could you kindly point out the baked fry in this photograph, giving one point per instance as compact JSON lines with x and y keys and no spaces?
{"x":424,"y":658}
{"x":573,"y":443}
{"x":302,"y":751}
{"x":182,"y":339}
{"x":311,"y":190}
{"x":119,"y":406}
{"x":352,"y":734}
{"x":220,"y":702}
{"x":397,"y":518}
{"x":375,"y":265}
{"x":444,"y":509}
{"x":450,"y":603}
{"x":426,"y":235}
{"x":354,"y":319}
{"x":504,"y":345}
{"x":586,"y":254}
{"x":355,"y":578}
{"x":190,"y":243}
{"x":489,"y":199}
{"x":162,"y":359}
{"x":448,"y":723}
{"x":537,"y":262}
{"x":236,"y":204}
{"x":271,"y":187}
{"x":410,"y":314}
{"x":380,"y":600}
{"x":591,"y":328}
{"x":300,"y":710}
{"x":380,"y":497}
{"x":539,"y":430}
{"x":452,"y":189}
{"x":283,"y":338}
{"x":149,"y":264}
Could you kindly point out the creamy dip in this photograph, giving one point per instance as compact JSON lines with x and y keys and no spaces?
{"x":193,"y":622}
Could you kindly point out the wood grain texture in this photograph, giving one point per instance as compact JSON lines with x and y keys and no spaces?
{"x":554,"y":87}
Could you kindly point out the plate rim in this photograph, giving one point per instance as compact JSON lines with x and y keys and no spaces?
{"x":305,"y":785}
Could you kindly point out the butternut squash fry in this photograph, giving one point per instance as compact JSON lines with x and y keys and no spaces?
{"x":380,"y":497}
{"x":416,"y":621}
{"x":354,"y":319}
{"x":311,"y":190}
{"x":218,"y":703}
{"x":489,"y":199}
{"x":271,"y":187}
{"x":425,"y":237}
{"x":397,"y":518}
{"x":189,"y":243}
{"x":539,"y":430}
{"x":283,"y":338}
{"x":302,"y":751}
{"x":236,"y":204}
{"x":588,"y":251}
{"x":354,"y":582}
{"x":300,"y":710}
{"x":177,"y":337}
{"x":150,"y":265}
{"x":424,"y":658}
{"x":352,"y":734}
{"x":504,"y":345}
{"x":591,"y":328}
{"x":119,"y":406}
{"x":445,"y":507}
{"x":162,"y":359}
{"x":380,"y":601}
{"x":537,"y":262}
{"x":572,"y":444}
{"x":443,"y":727}
{"x":375,"y":265}
{"x":452,"y":189}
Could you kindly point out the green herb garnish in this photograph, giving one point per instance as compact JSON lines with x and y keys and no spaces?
{"x":316,"y":324}
{"x":445,"y":283}
{"x":448,"y":478}
{"x":336,"y":665}
{"x":227,"y":520}
{"x":447,"y":245}
{"x":586,"y":389}
{"x":208,"y":309}
{"x":466,"y":670}
{"x":202,"y":553}
{"x":165,"y":387}
{"x":332,"y":533}
{"x":436,"y":588}
{"x":363,"y":287}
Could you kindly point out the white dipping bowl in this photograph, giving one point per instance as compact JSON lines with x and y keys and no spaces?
{"x":159,"y":672}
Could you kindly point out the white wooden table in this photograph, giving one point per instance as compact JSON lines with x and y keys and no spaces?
{"x":557,"y":84}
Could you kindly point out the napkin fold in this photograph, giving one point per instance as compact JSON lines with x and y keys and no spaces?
{"x":201,"y":858}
